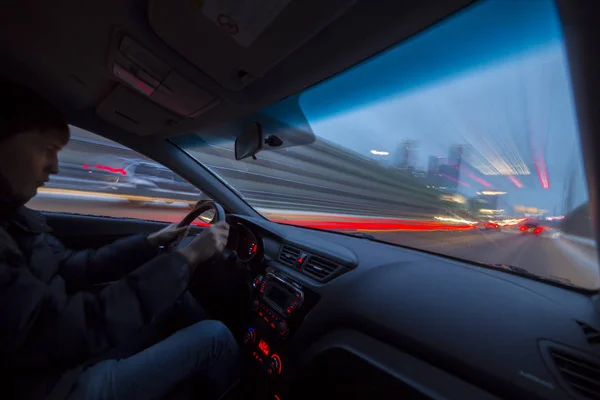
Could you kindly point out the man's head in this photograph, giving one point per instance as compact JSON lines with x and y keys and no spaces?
{"x":32,"y":132}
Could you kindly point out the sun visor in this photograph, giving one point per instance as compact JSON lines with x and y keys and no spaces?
{"x":237,"y":41}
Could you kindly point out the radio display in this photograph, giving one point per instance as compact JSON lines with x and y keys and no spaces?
{"x":277,"y":296}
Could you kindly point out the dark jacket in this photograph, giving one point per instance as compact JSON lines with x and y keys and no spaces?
{"x":50,"y":320}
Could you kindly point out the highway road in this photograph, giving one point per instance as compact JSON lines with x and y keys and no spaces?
{"x":546,"y":255}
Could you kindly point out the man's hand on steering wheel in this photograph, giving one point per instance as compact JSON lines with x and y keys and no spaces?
{"x":211,"y":241}
{"x":168,"y":235}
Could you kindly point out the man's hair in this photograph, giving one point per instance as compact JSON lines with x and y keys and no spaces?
{"x":22,"y":109}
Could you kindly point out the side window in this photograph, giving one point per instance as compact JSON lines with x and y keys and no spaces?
{"x":100,"y":177}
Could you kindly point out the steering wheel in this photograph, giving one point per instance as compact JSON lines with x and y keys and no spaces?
{"x":200,"y":208}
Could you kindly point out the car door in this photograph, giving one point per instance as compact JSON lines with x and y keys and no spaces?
{"x":84,"y":214}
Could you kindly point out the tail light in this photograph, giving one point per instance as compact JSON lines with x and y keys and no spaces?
{"x":106,"y":168}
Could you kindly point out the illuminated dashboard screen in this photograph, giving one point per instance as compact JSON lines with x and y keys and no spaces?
{"x":277,"y":296}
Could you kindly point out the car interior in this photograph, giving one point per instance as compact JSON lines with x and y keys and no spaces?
{"x":318,"y":314}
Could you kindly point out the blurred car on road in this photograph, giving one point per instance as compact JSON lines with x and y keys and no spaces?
{"x":139,"y":181}
{"x":146,"y":181}
{"x":491,"y":226}
{"x":531,"y":227}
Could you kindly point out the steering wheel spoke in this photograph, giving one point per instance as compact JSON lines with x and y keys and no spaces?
{"x":199,"y":209}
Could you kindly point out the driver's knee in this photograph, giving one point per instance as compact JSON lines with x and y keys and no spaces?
{"x":223,"y":341}
{"x":212,"y":343}
{"x":218,"y":353}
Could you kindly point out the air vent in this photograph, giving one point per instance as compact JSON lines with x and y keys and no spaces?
{"x":288,"y":255}
{"x":319,"y":268}
{"x":582,"y":374}
{"x":591,"y":334}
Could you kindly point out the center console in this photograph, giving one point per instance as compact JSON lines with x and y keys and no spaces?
{"x":280,"y":304}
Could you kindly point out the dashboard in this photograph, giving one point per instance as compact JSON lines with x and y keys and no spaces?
{"x":356,"y":317}
{"x":245,"y":244}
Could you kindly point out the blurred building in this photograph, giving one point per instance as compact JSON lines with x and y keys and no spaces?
{"x":405,"y":157}
{"x":450,"y":172}
{"x":433,"y":167}
{"x":455,"y":155}
{"x":433,"y":171}
{"x":449,"y":176}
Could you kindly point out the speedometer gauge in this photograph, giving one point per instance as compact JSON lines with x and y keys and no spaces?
{"x":247,"y":246}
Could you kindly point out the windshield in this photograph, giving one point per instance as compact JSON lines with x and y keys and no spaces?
{"x":461,"y":140}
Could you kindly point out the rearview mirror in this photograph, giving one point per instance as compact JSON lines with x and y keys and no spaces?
{"x":249,"y":142}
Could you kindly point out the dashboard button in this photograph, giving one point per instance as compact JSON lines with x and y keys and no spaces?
{"x":281,"y":327}
{"x":275,"y":365}
{"x":250,"y":336}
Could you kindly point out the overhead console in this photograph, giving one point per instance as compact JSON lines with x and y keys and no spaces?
{"x":152,"y":95}
{"x":249,"y":37}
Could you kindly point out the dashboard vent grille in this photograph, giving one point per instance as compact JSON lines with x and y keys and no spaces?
{"x":320,"y":268}
{"x":288,"y":255}
{"x":591,"y":334}
{"x":582,"y":374}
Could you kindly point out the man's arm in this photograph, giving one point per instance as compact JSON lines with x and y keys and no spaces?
{"x":42,"y":325}
{"x":84,"y":268}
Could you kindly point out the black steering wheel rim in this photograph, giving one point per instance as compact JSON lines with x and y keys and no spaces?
{"x":201,"y":207}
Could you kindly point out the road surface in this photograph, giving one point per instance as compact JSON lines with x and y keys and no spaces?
{"x":556,"y":257}
{"x":542,"y":255}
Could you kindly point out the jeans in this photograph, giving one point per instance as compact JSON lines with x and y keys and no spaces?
{"x":204,"y":352}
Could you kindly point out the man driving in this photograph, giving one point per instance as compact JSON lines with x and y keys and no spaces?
{"x":58,"y":336}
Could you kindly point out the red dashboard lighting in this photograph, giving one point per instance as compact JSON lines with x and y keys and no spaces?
{"x":276,"y":363}
{"x":264,"y":347}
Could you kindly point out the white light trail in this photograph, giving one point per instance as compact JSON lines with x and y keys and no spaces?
{"x":380,"y":153}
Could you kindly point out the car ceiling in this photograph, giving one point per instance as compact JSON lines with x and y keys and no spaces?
{"x":67,"y":50}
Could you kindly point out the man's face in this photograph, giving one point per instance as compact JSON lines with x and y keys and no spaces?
{"x":27,"y":160}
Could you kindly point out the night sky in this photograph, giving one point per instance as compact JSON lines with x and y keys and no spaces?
{"x":494,"y":78}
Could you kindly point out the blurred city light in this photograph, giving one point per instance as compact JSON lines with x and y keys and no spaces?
{"x":515,"y":181}
{"x":380,"y":153}
{"x":457,"y":220}
{"x":492,"y":192}
{"x":542,"y":172}
{"x":489,"y":211}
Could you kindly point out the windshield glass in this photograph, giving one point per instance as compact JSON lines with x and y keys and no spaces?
{"x":461,"y":141}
